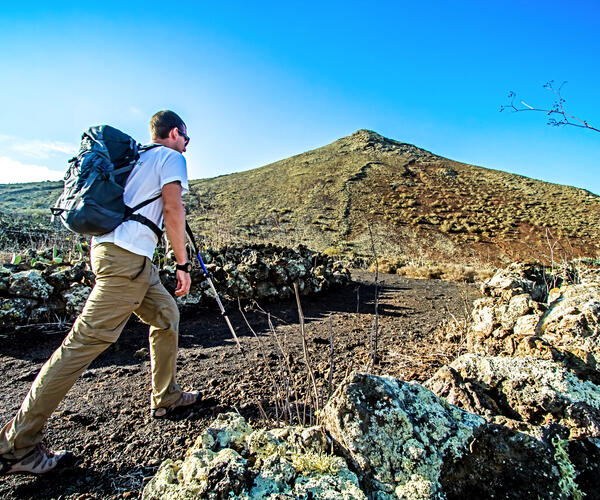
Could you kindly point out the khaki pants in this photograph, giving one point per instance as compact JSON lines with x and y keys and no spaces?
{"x":125,"y":283}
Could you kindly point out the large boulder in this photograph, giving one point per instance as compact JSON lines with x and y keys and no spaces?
{"x":572,"y":321}
{"x":504,"y":463}
{"x":538,"y":408}
{"x":392,"y":440}
{"x":407,"y":443}
{"x":398,"y":435}
{"x":526,"y":393}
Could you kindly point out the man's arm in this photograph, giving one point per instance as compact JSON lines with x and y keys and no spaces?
{"x":174,"y":215}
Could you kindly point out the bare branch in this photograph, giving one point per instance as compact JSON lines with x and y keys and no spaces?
{"x":331,"y":359}
{"x":558,"y":108}
{"x":311,"y":376}
{"x":263,"y":350}
{"x":375,"y":327}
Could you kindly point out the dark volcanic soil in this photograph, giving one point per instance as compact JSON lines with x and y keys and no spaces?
{"x":105,"y":418}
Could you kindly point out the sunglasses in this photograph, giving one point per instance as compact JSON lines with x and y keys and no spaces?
{"x":187,"y":139}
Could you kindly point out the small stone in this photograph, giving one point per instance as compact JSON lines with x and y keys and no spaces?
{"x":142,"y":353}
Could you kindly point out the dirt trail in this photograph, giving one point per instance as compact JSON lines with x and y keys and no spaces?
{"x":105,"y":419}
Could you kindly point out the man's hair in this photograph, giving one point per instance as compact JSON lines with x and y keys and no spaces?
{"x":163,"y":122}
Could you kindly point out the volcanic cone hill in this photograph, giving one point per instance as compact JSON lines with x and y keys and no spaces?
{"x":414,"y":203}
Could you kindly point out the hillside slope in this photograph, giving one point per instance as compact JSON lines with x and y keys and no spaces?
{"x":415,"y":203}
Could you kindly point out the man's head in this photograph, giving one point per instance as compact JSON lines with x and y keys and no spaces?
{"x":167,"y":128}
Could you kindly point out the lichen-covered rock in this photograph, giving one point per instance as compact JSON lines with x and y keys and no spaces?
{"x":341,"y":485}
{"x":5,"y":275}
{"x":262,"y":272}
{"x":517,"y":279}
{"x":63,"y":277}
{"x":497,"y":327}
{"x":75,"y":298}
{"x":526,"y":393}
{"x":228,"y":430}
{"x":15,"y":311}
{"x":398,"y":435}
{"x":524,"y":303}
{"x":203,"y":474}
{"x":505,"y":463}
{"x":572,"y":320}
{"x":231,"y":460}
{"x":29,"y":284}
{"x":526,"y":325}
{"x":274,"y":477}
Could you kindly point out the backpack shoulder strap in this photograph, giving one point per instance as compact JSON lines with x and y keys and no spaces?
{"x":130,"y":210}
{"x":148,"y":147}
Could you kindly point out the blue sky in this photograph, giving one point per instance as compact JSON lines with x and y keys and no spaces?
{"x":260,"y":81}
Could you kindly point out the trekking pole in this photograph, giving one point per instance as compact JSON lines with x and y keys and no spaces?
{"x":212,"y":287}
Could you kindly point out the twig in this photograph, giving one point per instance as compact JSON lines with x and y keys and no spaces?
{"x":375,"y":327}
{"x":331,"y":362}
{"x":305,"y":349}
{"x":269,"y":371}
{"x":289,"y":368}
{"x":557,"y":108}
{"x":256,"y":306}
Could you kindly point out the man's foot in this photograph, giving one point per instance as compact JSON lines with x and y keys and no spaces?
{"x":39,"y":461}
{"x":186,"y":399}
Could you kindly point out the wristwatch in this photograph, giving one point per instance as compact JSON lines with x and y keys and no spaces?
{"x":187,"y":267}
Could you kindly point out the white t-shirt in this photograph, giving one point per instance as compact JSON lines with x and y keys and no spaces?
{"x":155,"y":168}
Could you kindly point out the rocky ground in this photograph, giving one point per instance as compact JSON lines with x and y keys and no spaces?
{"x":105,"y":418}
{"x":515,"y":417}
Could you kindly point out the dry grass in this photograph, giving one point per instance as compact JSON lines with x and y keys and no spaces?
{"x":447,"y":271}
{"x":388,"y":265}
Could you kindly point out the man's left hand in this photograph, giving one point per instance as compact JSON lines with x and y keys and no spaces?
{"x":184,"y":281}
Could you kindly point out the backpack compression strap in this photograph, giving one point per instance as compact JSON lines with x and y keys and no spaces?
{"x":130,"y":215}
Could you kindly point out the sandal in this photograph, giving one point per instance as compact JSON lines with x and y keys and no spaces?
{"x":39,"y":461}
{"x":186,"y":399}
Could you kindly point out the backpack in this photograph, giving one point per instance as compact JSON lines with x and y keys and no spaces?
{"x":92,"y":199}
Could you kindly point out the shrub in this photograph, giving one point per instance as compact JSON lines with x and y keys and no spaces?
{"x":446,"y":271}
{"x":388,"y":265}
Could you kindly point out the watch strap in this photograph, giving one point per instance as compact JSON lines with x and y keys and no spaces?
{"x":187,"y":267}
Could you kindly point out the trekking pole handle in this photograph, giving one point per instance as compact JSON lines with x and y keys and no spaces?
{"x":190,"y":234}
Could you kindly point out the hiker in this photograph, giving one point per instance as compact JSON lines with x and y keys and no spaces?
{"x":126,"y":282}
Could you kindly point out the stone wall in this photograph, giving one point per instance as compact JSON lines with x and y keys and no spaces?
{"x":45,"y":288}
